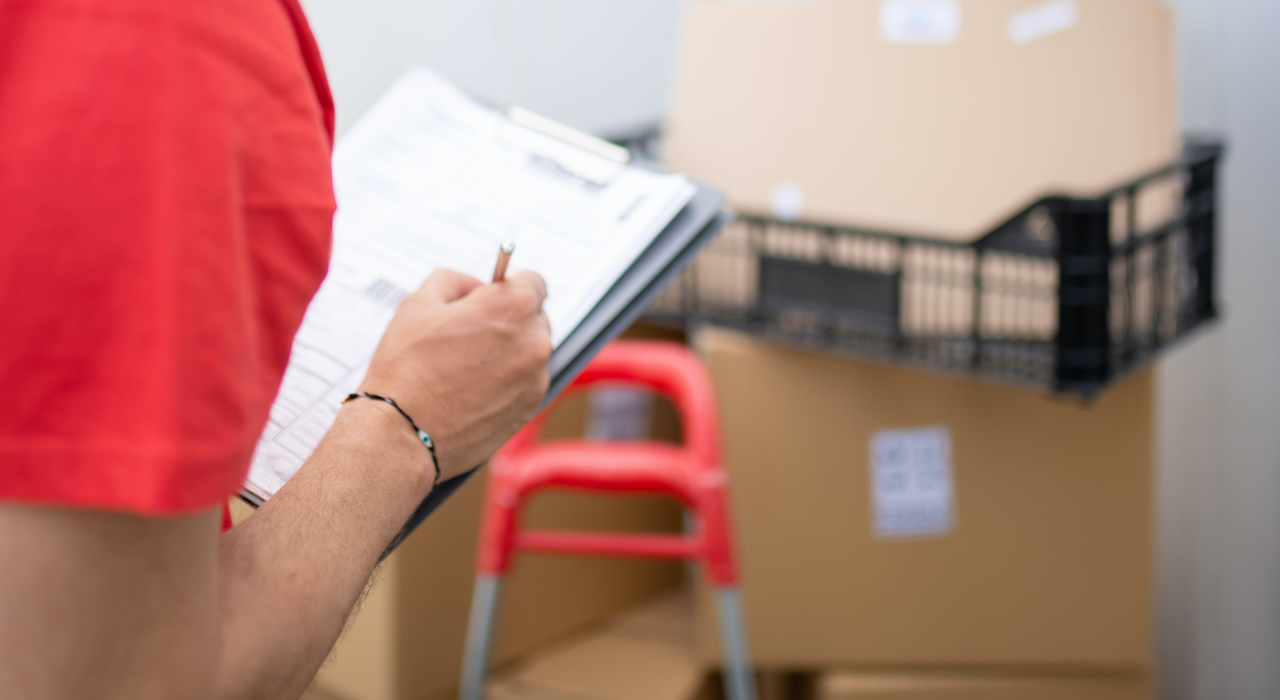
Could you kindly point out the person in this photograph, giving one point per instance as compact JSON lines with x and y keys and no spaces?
{"x":166,"y":202}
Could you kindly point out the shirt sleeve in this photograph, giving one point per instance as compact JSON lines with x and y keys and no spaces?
{"x":129,"y":363}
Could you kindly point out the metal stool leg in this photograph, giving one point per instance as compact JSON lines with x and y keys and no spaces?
{"x":738,"y":675}
{"x":484,"y":612}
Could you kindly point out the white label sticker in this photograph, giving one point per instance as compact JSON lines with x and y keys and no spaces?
{"x":1043,"y":20}
{"x":618,"y":414}
{"x":788,"y":201}
{"x":911,"y":485}
{"x":920,"y":21}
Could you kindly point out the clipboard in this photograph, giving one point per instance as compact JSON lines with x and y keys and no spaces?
{"x":691,"y":230}
{"x":565,"y":150}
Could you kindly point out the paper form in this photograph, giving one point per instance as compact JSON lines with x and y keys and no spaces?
{"x":428,"y":179}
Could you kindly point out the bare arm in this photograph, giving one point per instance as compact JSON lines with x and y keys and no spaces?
{"x":289,"y":575}
{"x":118,"y":606}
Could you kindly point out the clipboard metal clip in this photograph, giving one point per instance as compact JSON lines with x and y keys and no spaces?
{"x":580,"y":154}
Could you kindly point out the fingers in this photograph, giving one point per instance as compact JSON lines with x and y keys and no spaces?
{"x":533,"y":283}
{"x":535,"y":286}
{"x":445,"y":286}
{"x":544,"y":324}
{"x":526,"y":292}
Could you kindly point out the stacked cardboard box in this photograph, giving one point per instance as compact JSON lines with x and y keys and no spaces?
{"x":936,"y":117}
{"x":892,"y":519}
{"x":939,"y":118}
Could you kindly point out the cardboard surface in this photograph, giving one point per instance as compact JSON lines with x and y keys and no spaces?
{"x":808,"y":107}
{"x":646,"y":654}
{"x":842,"y":685}
{"x":1047,"y":560}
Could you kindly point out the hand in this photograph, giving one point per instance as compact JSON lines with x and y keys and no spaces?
{"x":468,"y":361}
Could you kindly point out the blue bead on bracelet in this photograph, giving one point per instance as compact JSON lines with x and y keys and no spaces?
{"x":422,"y":434}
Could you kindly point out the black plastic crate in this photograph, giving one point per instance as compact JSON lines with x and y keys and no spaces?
{"x":1067,"y":295}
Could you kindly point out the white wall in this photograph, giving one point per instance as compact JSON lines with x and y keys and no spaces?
{"x":1220,"y":398}
{"x":600,"y":65}
{"x":605,"y":65}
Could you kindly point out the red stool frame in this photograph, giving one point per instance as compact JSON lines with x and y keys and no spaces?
{"x":692,"y":473}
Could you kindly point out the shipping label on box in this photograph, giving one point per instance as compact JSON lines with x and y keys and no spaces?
{"x":920,"y":21}
{"x":911,"y":483}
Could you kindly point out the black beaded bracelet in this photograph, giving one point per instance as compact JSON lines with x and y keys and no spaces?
{"x":422,"y":434}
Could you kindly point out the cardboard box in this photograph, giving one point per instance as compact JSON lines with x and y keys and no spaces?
{"x":645,"y":654}
{"x":1000,"y":527}
{"x":942,"y":125}
{"x":849,"y":685}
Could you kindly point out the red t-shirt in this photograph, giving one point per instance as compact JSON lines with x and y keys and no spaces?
{"x":165,"y":212}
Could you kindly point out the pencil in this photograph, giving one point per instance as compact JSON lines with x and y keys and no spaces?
{"x":504,"y":258}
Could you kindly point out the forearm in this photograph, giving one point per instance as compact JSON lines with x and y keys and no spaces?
{"x":290,"y":575}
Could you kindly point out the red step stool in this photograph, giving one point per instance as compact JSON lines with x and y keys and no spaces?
{"x":692,"y":473}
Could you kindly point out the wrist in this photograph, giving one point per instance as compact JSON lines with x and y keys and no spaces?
{"x":380,"y":428}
